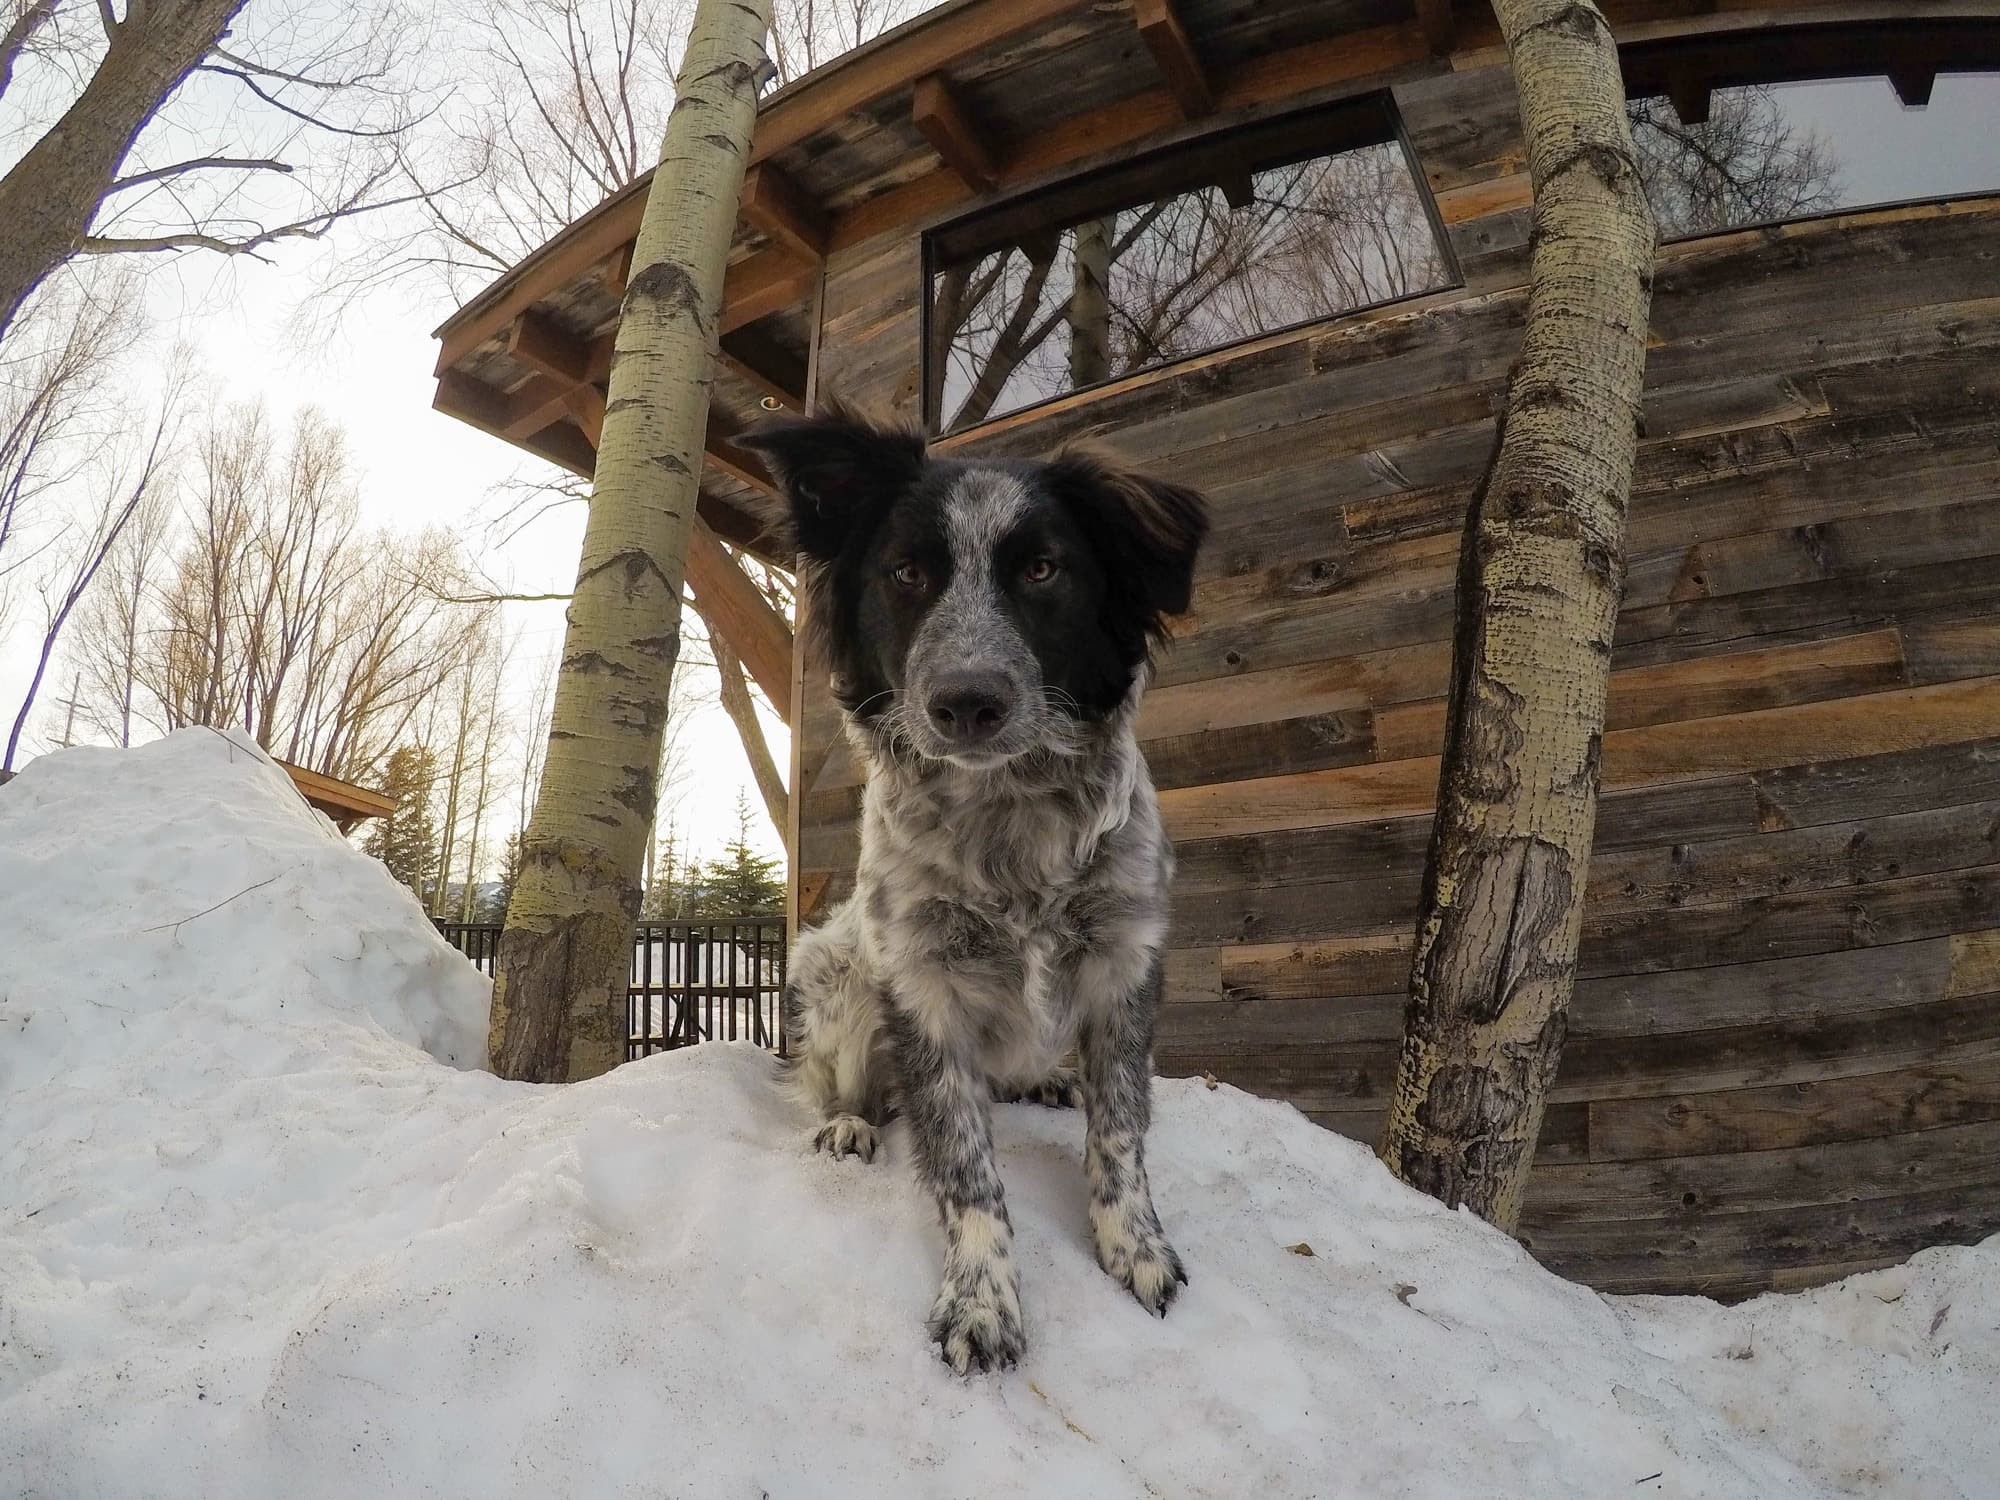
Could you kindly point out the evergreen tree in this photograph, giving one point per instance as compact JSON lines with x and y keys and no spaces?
{"x":406,"y":840}
{"x":493,"y":906}
{"x":667,"y":881}
{"x":742,"y":883}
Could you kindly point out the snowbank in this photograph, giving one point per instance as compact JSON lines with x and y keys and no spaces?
{"x":258,"y":1238}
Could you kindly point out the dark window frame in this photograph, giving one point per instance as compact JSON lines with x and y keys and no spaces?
{"x":1330,"y":128}
{"x":1921,"y":48}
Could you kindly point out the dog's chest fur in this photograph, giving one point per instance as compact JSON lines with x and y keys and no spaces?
{"x":999,"y":883}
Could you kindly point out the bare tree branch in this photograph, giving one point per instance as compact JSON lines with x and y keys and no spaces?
{"x":235,"y":163}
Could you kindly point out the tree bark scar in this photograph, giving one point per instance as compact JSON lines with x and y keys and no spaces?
{"x":636,"y":563}
{"x":1578,"y":20}
{"x":672,"y":291}
{"x":596,"y":663}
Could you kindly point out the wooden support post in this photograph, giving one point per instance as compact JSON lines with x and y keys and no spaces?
{"x":1166,"y":37}
{"x":935,"y":111}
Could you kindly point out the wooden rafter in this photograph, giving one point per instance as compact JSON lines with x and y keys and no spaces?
{"x":1689,"y":96}
{"x":937,"y":113}
{"x":773,"y":203}
{"x":766,"y":283}
{"x":1440,"y":28}
{"x":1913,"y":86}
{"x":736,"y":607}
{"x":1166,"y":37}
{"x":763,"y":363}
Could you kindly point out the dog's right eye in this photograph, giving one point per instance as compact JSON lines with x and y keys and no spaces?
{"x":909,"y":576}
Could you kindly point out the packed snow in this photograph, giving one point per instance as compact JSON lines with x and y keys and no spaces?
{"x":263,"y":1231}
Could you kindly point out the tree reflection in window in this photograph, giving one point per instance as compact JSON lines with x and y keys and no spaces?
{"x":1747,"y":163}
{"x":1775,"y":151}
{"x":1063,"y":302}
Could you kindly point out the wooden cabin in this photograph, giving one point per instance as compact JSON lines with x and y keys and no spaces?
{"x":1278,"y":248}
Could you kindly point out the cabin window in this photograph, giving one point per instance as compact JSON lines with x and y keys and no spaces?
{"x":1201,"y":245}
{"x":1858,"y":118}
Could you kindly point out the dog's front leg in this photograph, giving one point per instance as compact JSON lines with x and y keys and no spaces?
{"x":976,"y":1319}
{"x":1116,"y":1048}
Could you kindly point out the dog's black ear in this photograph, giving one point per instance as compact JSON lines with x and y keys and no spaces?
{"x":1147,"y":531}
{"x":836,"y":469}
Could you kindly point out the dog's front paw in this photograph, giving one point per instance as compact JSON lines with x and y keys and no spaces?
{"x":847,"y":1135}
{"x":976,"y":1321}
{"x":1137,"y":1256}
{"x":1062,"y":1089}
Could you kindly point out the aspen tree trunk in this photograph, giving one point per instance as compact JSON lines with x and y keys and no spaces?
{"x":1540,"y":577}
{"x":565,"y":957}
{"x":1090,"y":304}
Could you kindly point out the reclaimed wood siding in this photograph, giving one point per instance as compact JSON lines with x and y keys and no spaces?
{"x":1784,"y":1058}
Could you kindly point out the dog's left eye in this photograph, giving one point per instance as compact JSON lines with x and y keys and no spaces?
{"x":1041,"y":570}
{"x":909,"y":575}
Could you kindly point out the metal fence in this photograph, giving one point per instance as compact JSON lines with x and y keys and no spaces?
{"x":691,"y":982}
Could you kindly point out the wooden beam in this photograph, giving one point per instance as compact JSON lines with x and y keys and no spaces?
{"x":1440,"y":29}
{"x":1689,"y":96}
{"x":1166,"y":37}
{"x":1913,"y":86}
{"x":586,"y":407}
{"x":732,"y":460}
{"x":766,"y":283}
{"x":615,"y":270}
{"x":736,"y":607}
{"x":762,"y":362}
{"x":546,"y":349}
{"x":935,"y":110}
{"x":773,"y":203}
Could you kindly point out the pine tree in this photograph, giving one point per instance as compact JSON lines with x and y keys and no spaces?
{"x":493,"y":905}
{"x":742,"y":883}
{"x":406,"y":840}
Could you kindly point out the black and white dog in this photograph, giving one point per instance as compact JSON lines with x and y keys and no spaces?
{"x":988,"y":625}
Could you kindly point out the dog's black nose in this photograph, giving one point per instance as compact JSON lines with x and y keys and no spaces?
{"x":970,"y":708}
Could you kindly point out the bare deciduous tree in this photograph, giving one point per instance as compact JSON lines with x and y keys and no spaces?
{"x":126,"y":478}
{"x":278,"y":613}
{"x":1745,"y":164}
{"x":118,"y":170}
{"x":1186,"y":272}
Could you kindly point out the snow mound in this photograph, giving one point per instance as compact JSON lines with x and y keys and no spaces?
{"x":258,"y":1238}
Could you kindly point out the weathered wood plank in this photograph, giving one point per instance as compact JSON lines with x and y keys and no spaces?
{"x":1956,"y":837}
{"x":1705,"y":687}
{"x":1961,"y":1087}
{"x":1311,"y":742}
{"x":1692,"y":1187}
{"x":1870,"y":725}
{"x":1811,"y":986}
{"x":1729,"y":1255}
{"x":1838,"y":788}
{"x":1792,"y":924}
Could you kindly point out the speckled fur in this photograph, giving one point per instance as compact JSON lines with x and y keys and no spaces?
{"x":1007,"y":912}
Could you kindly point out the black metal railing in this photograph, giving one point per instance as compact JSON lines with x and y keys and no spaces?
{"x":697,"y":981}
